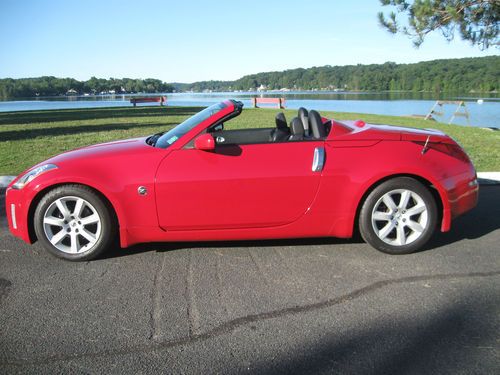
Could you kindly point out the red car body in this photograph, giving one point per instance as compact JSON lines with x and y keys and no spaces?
{"x":252,"y":191}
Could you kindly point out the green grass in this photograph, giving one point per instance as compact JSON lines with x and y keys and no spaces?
{"x":27,"y":138}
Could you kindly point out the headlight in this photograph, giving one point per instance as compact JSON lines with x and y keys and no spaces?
{"x":31,"y":175}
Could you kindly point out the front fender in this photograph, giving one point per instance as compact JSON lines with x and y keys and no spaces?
{"x":131,"y":209}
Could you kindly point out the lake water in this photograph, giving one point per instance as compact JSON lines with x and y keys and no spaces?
{"x":486,"y":114}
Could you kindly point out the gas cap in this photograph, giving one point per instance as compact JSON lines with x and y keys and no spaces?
{"x":360,"y":123}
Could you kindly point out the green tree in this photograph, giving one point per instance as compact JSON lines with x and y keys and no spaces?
{"x":475,"y":20}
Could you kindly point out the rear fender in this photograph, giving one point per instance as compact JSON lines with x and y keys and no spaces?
{"x":434,"y":186}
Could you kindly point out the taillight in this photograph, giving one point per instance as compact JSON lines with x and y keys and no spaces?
{"x":454,"y":150}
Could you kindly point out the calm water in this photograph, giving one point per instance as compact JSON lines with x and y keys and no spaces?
{"x":398,"y":104}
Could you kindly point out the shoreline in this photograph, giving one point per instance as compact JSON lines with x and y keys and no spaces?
{"x":485,"y":95}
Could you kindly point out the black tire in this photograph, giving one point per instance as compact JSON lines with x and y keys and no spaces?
{"x":387,"y":229}
{"x":103,"y":230}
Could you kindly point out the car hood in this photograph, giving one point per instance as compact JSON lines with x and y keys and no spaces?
{"x":102,"y":150}
{"x":126,"y":153}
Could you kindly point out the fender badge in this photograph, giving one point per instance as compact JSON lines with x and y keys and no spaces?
{"x":141,"y":190}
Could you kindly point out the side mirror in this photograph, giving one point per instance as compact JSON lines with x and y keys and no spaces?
{"x":205,"y":142}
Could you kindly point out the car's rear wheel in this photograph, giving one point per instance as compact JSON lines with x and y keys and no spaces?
{"x":399,"y":216}
{"x":74,"y":223}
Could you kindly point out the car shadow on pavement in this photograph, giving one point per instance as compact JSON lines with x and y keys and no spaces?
{"x":484,"y":219}
{"x":116,"y":251}
{"x":480,"y":221}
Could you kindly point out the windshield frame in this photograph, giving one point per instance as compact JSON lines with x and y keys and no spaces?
{"x":177,"y":132}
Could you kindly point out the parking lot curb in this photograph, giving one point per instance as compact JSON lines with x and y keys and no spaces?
{"x":484,"y":178}
{"x":488,"y":178}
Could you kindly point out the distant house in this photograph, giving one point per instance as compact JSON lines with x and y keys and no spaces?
{"x":71,"y":92}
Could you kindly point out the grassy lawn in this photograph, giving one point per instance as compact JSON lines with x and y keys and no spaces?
{"x":27,"y":138}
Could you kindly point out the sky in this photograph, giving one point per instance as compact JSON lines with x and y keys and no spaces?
{"x":188,"y":41}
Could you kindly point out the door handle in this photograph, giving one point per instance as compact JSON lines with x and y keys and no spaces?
{"x":220,"y":139}
{"x":318,"y":159}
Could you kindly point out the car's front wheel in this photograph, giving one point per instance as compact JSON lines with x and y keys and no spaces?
{"x":74,"y":223}
{"x":399,"y":216}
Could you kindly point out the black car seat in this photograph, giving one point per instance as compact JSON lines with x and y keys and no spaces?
{"x":297,"y":130}
{"x":282,"y":132}
{"x":281,"y":121}
{"x":318,"y":129}
{"x":303,"y":115}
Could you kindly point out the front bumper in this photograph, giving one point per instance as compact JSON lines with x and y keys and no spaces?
{"x":17,"y":208}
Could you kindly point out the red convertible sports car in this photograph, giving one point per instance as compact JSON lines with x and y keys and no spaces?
{"x":203,"y":180}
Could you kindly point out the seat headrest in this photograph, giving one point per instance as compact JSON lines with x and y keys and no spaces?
{"x":281,"y":121}
{"x":303,"y":115}
{"x":296,"y":126}
{"x":316,"y":124}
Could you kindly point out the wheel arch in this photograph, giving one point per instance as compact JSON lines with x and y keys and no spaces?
{"x":40,"y":194}
{"x":437,"y":193}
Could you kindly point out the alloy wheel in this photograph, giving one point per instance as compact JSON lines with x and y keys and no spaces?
{"x":400,"y":217}
{"x":72,"y":224}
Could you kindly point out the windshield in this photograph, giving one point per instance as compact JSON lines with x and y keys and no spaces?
{"x":177,"y":132}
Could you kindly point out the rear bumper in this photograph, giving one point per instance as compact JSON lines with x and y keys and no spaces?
{"x":17,"y":214}
{"x":462,"y":195}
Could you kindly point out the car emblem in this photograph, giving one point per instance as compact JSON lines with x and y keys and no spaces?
{"x":141,"y":190}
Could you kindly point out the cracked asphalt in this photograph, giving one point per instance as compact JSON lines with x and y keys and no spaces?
{"x":288,"y":306}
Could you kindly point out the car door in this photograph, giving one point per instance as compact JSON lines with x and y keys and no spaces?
{"x":237,"y":185}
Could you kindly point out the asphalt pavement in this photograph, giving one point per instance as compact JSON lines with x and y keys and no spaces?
{"x":288,"y":306}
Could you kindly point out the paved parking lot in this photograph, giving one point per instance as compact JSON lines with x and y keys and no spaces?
{"x":292,"y":306}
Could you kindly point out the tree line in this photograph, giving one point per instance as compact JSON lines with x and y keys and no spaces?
{"x":480,"y":74}
{"x":51,"y":86}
